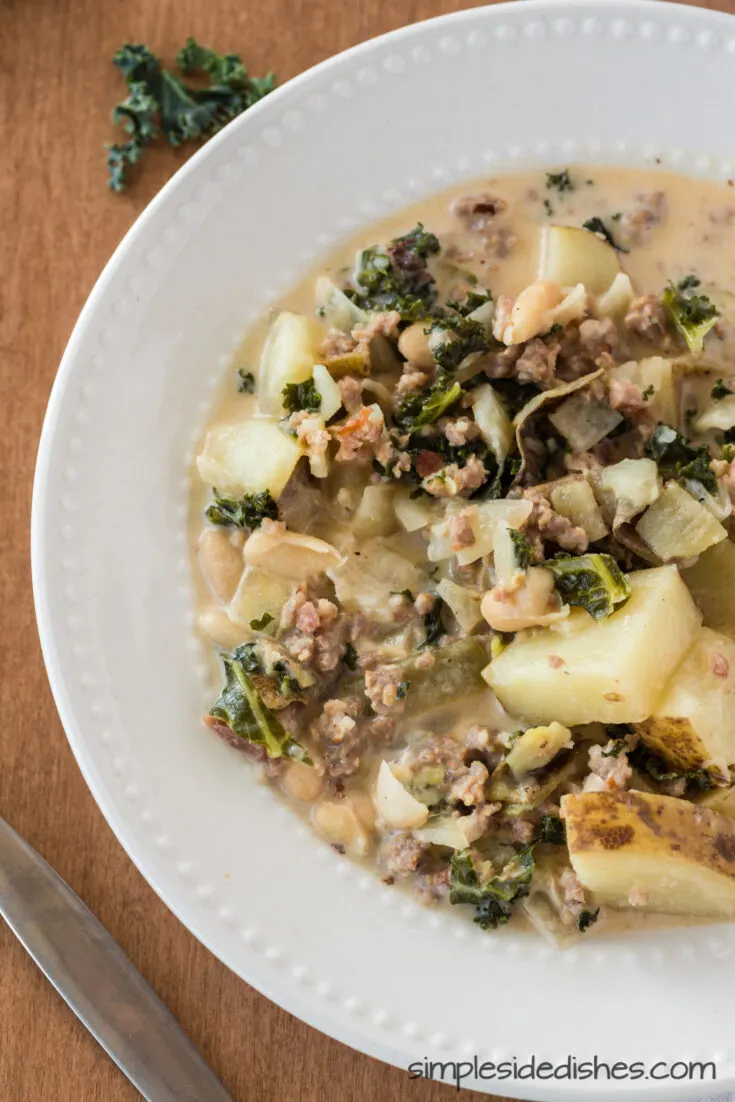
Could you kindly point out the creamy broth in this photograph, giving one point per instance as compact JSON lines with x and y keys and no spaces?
{"x":668,"y":228}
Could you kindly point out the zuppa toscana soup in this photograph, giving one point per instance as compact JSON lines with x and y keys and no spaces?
{"x":463,"y":519}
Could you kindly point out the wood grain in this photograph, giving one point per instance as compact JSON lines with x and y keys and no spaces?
{"x":59,"y":226}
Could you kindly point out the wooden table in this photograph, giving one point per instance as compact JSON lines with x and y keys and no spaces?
{"x":59,"y":226}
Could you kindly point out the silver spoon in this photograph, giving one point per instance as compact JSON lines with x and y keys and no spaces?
{"x":100,"y":984}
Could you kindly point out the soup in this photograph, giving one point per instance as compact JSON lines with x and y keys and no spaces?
{"x":463,"y":520}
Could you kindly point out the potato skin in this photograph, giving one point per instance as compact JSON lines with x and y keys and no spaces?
{"x":676,"y":741}
{"x":656,"y":825}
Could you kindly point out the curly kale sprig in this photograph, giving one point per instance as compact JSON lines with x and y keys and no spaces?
{"x":158,"y":101}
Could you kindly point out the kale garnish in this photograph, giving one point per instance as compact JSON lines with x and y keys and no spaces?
{"x":301,"y":396}
{"x":585,"y":919}
{"x":424,"y":407}
{"x":692,"y":314}
{"x":523,"y":551}
{"x":263,"y":622}
{"x":679,"y":460}
{"x":402,"y":689}
{"x":248,"y":512}
{"x":396,"y":277}
{"x":647,"y":762}
{"x":455,"y":337}
{"x":719,"y":391}
{"x":592,"y":582}
{"x":596,"y":225}
{"x":560,"y":181}
{"x":433,"y":625}
{"x":494,"y":898}
{"x":551,"y":829}
{"x":241,"y":708}
{"x":349,"y":657}
{"x":246,"y":384}
{"x":159,"y":102}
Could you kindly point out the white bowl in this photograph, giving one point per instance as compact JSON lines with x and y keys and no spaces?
{"x":538,"y":83}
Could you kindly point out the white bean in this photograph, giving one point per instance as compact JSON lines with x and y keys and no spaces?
{"x":413,"y":343}
{"x":220,"y":561}
{"x":301,"y":781}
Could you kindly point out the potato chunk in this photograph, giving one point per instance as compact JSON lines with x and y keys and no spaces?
{"x":570,"y":255}
{"x":288,"y":357}
{"x":248,"y":457}
{"x":693,"y":726}
{"x":670,"y":855}
{"x":611,"y":671}
{"x":678,"y":527}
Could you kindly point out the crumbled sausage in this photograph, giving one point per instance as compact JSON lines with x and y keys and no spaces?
{"x":461,"y":532}
{"x":460,"y":431}
{"x":385,"y":325}
{"x":340,"y":735}
{"x":360,"y":434}
{"x":635,"y":225}
{"x":381,"y":689}
{"x":625,"y":397}
{"x":402,"y":854}
{"x":647,"y":317}
{"x":477,"y":213}
{"x":545,"y":523}
{"x":537,"y":363}
{"x":350,"y":390}
{"x":452,"y":480}
{"x":469,"y":788}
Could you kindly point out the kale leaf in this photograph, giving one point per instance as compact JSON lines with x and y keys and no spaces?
{"x":551,"y":829}
{"x":433,"y":625}
{"x":298,"y":396}
{"x":263,"y":622}
{"x":647,"y":762}
{"x":679,"y":460}
{"x":494,"y":898}
{"x":424,"y":407}
{"x":692,"y":314}
{"x":560,"y":181}
{"x":246,"y":385}
{"x":524,"y":555}
{"x":397,"y":276}
{"x":596,"y":225}
{"x":592,"y":582}
{"x":158,"y":101}
{"x":249,"y":511}
{"x":453,"y":338}
{"x":241,"y":708}
{"x":585,"y":919}
{"x":349,"y":656}
{"x":719,"y":391}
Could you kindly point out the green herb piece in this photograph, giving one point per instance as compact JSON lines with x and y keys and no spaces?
{"x":719,"y":391}
{"x":454,"y":338}
{"x":523,"y":551}
{"x":263,"y":622}
{"x":646,"y":762}
{"x":551,"y":829}
{"x":592,"y":582}
{"x":350,"y":656}
{"x":397,"y":277}
{"x":548,"y":208}
{"x":433,"y":626}
{"x":401,"y":689}
{"x":302,"y":396}
{"x":559,"y":181}
{"x":585,"y":919}
{"x":246,"y":385}
{"x":494,"y":898}
{"x":240,"y":707}
{"x":158,"y":101}
{"x":596,"y":225}
{"x":692,"y":314}
{"x":648,"y":392}
{"x":677,"y":459}
{"x":248,"y":512}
